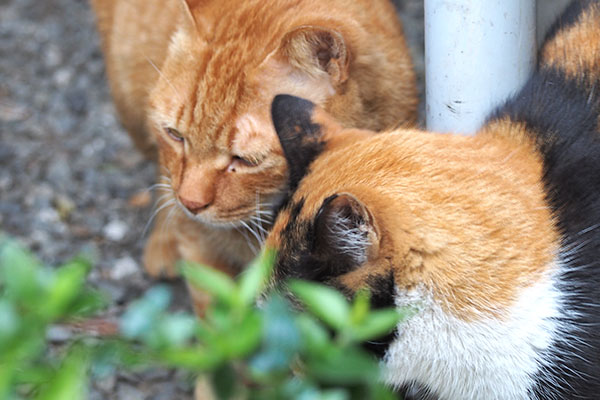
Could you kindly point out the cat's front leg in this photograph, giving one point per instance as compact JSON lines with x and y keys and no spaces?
{"x":161,"y":251}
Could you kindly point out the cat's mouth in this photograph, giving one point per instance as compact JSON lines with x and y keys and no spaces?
{"x":256,"y":219}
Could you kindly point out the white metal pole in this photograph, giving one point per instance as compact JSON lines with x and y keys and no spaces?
{"x":477,"y":53}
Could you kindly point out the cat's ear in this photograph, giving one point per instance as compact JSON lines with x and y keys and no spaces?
{"x":316,"y":49}
{"x":191,"y":19}
{"x":303,"y":130}
{"x":345,"y":231}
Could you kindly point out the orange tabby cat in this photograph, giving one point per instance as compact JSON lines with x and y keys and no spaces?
{"x":492,"y":240}
{"x":194,"y":79}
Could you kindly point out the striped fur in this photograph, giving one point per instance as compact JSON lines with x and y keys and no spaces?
{"x":494,"y":239}
{"x":195,"y":79}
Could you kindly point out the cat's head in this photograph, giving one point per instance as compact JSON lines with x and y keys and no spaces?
{"x":409,"y":212}
{"x":209,"y":110}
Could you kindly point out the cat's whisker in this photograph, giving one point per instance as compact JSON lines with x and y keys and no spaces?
{"x":263,"y":221}
{"x":179,"y":97}
{"x":170,"y":217}
{"x":165,"y":180}
{"x":261,"y":230}
{"x":249,"y":228}
{"x":163,"y":197}
{"x":248,"y":241}
{"x":258,"y":224}
{"x":168,"y":203}
{"x":160,"y":186}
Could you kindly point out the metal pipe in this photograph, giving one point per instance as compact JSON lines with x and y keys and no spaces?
{"x":477,"y":53}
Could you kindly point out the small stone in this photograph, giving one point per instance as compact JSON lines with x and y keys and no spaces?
{"x":128,"y":392}
{"x":63,"y":77}
{"x":166,"y":392}
{"x":57,"y":333}
{"x":116,"y":292}
{"x":157,"y":374}
{"x":59,"y":171}
{"x":77,"y":101}
{"x":39,"y":237}
{"x":115,"y":230}
{"x":123,"y":268}
{"x":81,"y":231}
{"x":107,"y":383}
{"x":5,"y":181}
{"x":11,"y":112}
{"x":48,"y":216}
{"x":64,"y":206}
{"x":96,"y":395}
{"x":53,"y":56}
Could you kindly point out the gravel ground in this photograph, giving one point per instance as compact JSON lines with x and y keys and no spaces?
{"x":70,"y":179}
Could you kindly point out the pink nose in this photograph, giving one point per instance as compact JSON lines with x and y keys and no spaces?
{"x":194,"y":206}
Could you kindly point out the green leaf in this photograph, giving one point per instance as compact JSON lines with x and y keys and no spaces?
{"x":88,"y":302}
{"x":68,"y":284}
{"x":195,"y":358}
{"x":360,"y":307}
{"x":381,"y":392}
{"x":314,"y":336}
{"x":344,"y":366}
{"x":210,"y":280}
{"x":142,"y":315}
{"x":245,"y":338}
{"x":177,"y":329}
{"x":9,"y":320}
{"x":70,"y":381}
{"x":255,"y":277}
{"x":376,"y":324}
{"x":335,"y":394}
{"x":326,"y":303}
{"x":7,"y":374}
{"x":19,"y":273}
{"x":281,"y":339}
{"x":224,"y":382}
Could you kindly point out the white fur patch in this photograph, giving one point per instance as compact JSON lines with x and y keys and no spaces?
{"x":349,"y":238}
{"x":485,"y":359}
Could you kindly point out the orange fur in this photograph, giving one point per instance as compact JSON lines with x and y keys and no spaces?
{"x":218,"y":66}
{"x":431,"y":196}
{"x":576,"y":50}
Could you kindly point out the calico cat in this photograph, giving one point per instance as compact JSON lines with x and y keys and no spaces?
{"x":493,"y":240}
{"x":194,"y":80}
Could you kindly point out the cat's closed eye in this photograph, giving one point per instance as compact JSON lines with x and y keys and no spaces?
{"x":238,"y":162}
{"x":174,"y":134}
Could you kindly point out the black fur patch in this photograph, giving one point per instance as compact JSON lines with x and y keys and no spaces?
{"x":382,"y":290}
{"x":298,"y":259}
{"x":562,"y":116}
{"x":300,"y":138}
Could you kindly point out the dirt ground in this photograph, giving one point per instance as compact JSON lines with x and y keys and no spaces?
{"x":70,"y":179}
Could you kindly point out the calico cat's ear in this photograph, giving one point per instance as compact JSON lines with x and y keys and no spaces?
{"x":345,"y":232}
{"x":301,"y":139}
{"x":316,"y":49}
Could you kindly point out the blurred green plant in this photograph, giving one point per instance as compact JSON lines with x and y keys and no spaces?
{"x":271,"y":352}
{"x":32,"y":299}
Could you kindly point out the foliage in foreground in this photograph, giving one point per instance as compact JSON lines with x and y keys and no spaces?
{"x":271,"y":352}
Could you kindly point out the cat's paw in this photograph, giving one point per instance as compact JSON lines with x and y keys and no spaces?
{"x":161,"y":254}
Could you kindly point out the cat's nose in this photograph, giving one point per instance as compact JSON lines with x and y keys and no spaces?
{"x":194,"y":206}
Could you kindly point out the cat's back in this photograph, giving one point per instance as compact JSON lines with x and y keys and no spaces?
{"x":134,"y":36}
